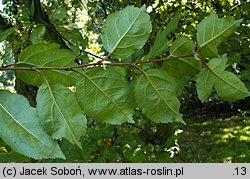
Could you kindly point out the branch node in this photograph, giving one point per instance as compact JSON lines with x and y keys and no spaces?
{"x":34,"y":68}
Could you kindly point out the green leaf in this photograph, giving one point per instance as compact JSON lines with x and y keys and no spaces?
{"x":160,"y":45}
{"x":205,"y":79}
{"x":245,"y":74}
{"x":182,"y":46}
{"x":32,"y":9}
{"x":155,"y":95}
{"x":182,"y":67}
{"x":78,"y":38}
{"x":59,"y":14}
{"x":21,"y":130}
{"x":46,"y":55}
{"x":6,"y":33}
{"x":106,"y":96}
{"x":72,"y":153}
{"x":2,"y":144}
{"x":91,"y":4}
{"x":161,"y":42}
{"x":110,"y":154}
{"x":32,"y":50}
{"x":60,"y":113}
{"x":204,"y":84}
{"x":126,"y":31}
{"x":172,"y":25}
{"x":212,"y":31}
{"x":229,"y":87}
{"x":13,"y":157}
{"x":38,"y":34}
{"x":234,"y":58}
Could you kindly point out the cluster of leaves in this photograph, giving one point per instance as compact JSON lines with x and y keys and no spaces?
{"x":110,"y":90}
{"x":107,"y":143}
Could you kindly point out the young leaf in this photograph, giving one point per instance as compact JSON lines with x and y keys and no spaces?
{"x":106,"y":96}
{"x":46,"y":55}
{"x":205,"y":80}
{"x":182,"y":67}
{"x":155,"y":95}
{"x":60,"y":113}
{"x":6,"y":33}
{"x":229,"y":87}
{"x":212,"y":31}
{"x":126,"y":31}
{"x":21,"y":130}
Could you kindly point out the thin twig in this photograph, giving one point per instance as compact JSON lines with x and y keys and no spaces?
{"x":53,"y":28}
{"x":99,"y":63}
{"x":6,"y":66}
{"x":131,"y":124}
{"x":104,"y":9}
{"x":93,"y":55}
{"x":105,"y":58}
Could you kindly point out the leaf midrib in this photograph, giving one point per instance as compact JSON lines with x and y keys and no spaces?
{"x":191,"y":64}
{"x":19,"y":124}
{"x":119,"y":41}
{"x":176,"y":48}
{"x":222,"y":79}
{"x":107,"y":96}
{"x":160,"y":94}
{"x":57,"y":106}
{"x":229,"y":84}
{"x":219,"y":34}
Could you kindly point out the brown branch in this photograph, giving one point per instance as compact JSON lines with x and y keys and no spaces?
{"x":105,"y":58}
{"x":140,"y":128}
{"x":99,"y":63}
{"x":7,"y":66}
{"x":41,"y":16}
